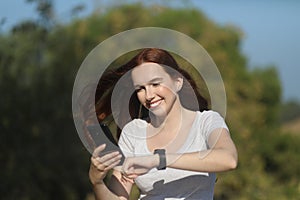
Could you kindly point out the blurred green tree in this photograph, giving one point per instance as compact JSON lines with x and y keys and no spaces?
{"x":290,"y":110}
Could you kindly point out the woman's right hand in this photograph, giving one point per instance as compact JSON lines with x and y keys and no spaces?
{"x":101,"y":165}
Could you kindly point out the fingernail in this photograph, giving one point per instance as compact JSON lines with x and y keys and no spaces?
{"x":103,"y":145}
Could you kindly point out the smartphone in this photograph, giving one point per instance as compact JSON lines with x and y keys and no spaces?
{"x":101,"y":134}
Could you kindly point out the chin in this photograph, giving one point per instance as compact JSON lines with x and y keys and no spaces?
{"x":158,"y":112}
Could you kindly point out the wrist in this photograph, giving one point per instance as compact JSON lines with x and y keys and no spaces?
{"x":98,"y":183}
{"x":162,"y":158}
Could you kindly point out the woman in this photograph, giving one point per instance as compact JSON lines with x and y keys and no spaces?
{"x":172,"y":147}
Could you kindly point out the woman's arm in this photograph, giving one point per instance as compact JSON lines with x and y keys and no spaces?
{"x":222,"y":156}
{"x":119,"y":187}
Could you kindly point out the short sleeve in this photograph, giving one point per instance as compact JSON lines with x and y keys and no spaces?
{"x":126,"y":145}
{"x":132,"y":139}
{"x":212,"y":120}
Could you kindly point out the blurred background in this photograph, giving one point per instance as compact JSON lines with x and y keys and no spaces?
{"x":255,"y":45}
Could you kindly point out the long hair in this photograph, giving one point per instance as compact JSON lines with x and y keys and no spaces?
{"x":109,"y":79}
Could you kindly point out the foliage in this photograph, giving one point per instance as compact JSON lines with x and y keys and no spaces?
{"x":41,"y":154}
{"x":290,"y":110}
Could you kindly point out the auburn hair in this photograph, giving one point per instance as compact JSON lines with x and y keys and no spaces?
{"x":110,"y":78}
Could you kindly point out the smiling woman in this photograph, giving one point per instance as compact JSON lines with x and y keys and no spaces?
{"x":172,"y":143}
{"x":155,"y":89}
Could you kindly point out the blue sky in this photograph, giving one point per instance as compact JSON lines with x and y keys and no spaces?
{"x":271,"y":29}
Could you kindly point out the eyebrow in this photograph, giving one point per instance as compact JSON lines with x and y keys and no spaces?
{"x":151,"y":81}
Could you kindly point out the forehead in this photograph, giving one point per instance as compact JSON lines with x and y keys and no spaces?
{"x":147,"y":72}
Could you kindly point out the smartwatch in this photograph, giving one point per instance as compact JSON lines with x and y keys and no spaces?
{"x":162,"y":158}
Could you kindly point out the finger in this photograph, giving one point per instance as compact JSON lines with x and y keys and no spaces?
{"x":94,"y":161}
{"x":129,"y":175}
{"x":112,"y":165}
{"x":104,"y":167}
{"x":98,"y":150}
{"x":127,"y":179}
{"x":132,"y":176}
{"x":100,"y":167}
{"x":108,"y":162}
{"x":113,"y":160}
{"x":96,"y":164}
{"x":107,"y":157}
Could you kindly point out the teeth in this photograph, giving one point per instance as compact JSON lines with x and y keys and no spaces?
{"x":152,"y":105}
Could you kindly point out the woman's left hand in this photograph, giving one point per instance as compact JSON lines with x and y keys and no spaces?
{"x":136,"y":166}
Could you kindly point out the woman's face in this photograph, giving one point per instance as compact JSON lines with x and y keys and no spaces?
{"x":155,"y":88}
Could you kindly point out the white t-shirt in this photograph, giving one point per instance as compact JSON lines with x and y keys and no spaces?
{"x":173,"y":183}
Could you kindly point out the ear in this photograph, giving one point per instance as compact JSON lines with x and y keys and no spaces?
{"x":179,"y":83}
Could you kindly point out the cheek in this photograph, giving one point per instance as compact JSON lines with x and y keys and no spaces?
{"x":140,"y":96}
{"x":167,"y":90}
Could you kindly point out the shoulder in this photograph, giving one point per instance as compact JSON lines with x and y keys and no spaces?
{"x":209,"y":115}
{"x":134,"y":125}
{"x":209,"y":120}
{"x":134,"y":128}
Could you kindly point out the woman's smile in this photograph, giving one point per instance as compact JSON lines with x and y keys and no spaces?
{"x":154,"y":104}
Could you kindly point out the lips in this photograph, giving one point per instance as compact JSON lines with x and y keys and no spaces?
{"x":154,"y":104}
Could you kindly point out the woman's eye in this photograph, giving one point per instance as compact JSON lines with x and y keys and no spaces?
{"x":139,"y":89}
{"x":155,"y":84}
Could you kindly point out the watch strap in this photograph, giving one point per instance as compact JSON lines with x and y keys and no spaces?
{"x":162,"y":158}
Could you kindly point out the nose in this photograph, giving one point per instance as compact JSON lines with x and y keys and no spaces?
{"x":149,"y":93}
